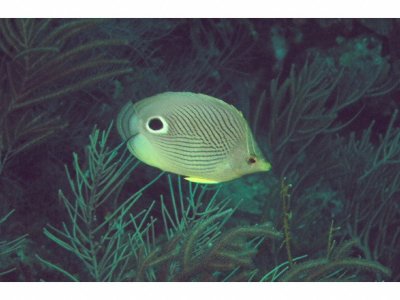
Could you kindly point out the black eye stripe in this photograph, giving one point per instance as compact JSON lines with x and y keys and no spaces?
{"x":251,"y":160}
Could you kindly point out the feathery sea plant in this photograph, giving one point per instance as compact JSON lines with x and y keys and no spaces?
{"x":303,"y":108}
{"x":371,"y":184}
{"x":335,"y":267}
{"x":195,"y":246}
{"x":338,"y":261}
{"x":8,"y":247}
{"x":41,"y":62}
{"x":115,"y":243}
{"x":97,"y":233}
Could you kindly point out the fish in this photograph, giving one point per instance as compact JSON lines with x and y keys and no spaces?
{"x":194,"y":135}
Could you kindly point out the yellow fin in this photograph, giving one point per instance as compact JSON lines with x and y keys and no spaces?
{"x":200,"y":180}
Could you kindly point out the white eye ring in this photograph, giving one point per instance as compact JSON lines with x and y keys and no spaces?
{"x":157,"y":124}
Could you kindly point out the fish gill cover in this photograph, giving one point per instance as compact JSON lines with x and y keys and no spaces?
{"x":321,"y":97}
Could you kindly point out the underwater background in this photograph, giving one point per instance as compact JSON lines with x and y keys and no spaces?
{"x":321,"y":97}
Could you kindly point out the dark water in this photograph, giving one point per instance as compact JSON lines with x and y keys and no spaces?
{"x":321,"y":96}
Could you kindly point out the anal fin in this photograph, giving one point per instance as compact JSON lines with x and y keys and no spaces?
{"x":201,"y":180}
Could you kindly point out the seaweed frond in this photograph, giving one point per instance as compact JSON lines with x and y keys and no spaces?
{"x":97,"y":232}
{"x":8,"y":247}
{"x":41,"y":62}
{"x":334,"y":267}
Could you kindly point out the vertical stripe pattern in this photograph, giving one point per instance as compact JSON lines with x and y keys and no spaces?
{"x":201,"y":137}
{"x":204,"y":136}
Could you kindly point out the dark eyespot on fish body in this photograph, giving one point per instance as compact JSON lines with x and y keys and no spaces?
{"x":155,"y":124}
{"x":194,"y":135}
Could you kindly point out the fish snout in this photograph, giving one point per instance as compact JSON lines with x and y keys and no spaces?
{"x":264,"y":166}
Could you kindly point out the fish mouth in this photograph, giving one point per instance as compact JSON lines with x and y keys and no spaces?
{"x":264,"y":165}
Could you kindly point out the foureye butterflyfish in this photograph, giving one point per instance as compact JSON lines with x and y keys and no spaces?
{"x":200,"y":137}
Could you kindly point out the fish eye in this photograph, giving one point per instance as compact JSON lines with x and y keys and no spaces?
{"x":251,"y":160}
{"x":157,"y":125}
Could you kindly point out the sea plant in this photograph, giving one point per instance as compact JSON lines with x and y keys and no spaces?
{"x":115,"y":242}
{"x":42,"y":63}
{"x":8,"y":247}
